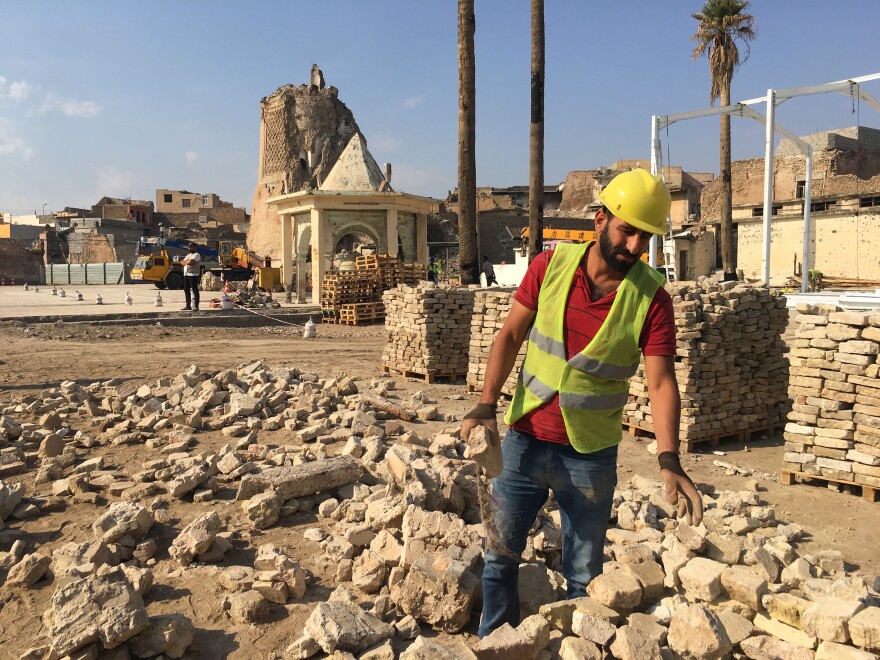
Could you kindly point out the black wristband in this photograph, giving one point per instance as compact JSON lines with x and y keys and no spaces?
{"x":671,"y":462}
{"x":483,"y":411}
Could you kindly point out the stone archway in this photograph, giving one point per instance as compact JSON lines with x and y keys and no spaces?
{"x":407,"y":242}
{"x":357,"y":228}
{"x":302,"y":251}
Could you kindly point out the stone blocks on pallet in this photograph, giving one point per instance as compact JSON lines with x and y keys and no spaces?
{"x":428,"y":329}
{"x":729,"y":361}
{"x":491,"y":307}
{"x":834,"y":425}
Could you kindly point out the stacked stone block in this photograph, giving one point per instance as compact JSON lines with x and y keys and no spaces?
{"x":491,"y":307}
{"x":428,"y":329}
{"x":729,"y":361}
{"x":834,"y":424}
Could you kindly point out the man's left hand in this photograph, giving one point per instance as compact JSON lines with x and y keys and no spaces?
{"x":679,"y":489}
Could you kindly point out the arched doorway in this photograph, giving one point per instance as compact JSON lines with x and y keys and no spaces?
{"x":303,"y":252}
{"x":354,"y":233}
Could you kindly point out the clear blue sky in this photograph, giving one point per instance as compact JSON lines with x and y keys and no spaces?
{"x":120,"y":98}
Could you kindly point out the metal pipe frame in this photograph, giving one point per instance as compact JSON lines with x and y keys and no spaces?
{"x":851,"y":87}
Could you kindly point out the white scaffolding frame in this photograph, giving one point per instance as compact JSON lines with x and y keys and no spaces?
{"x":851,"y":88}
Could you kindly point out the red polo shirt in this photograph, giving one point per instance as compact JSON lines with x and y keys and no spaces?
{"x":583,"y":318}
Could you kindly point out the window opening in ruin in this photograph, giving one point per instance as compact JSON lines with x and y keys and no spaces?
{"x":868,"y":202}
{"x":800,"y":189}
{"x":168,"y":199}
{"x":205,"y":201}
{"x":185,"y":203}
{"x":817,"y":207}
{"x":758,"y":211}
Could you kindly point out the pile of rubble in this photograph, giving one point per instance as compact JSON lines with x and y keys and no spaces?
{"x":729,"y":361}
{"x":211,"y":282}
{"x":254,"y":299}
{"x":834,"y":425}
{"x":396,"y":522}
{"x":491,"y":307}
{"x":428,"y":329}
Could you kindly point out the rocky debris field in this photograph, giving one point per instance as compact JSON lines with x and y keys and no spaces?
{"x":268,"y":511}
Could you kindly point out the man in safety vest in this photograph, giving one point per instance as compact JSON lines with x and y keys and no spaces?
{"x":589,"y":312}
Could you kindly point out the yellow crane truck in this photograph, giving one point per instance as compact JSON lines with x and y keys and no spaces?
{"x":158,"y":263}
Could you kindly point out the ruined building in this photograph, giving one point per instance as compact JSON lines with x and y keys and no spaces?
{"x":845,"y":208}
{"x":303,"y":131}
{"x":180,"y":208}
{"x":580,"y":190}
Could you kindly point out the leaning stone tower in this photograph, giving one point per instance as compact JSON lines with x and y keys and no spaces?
{"x":303,"y":130}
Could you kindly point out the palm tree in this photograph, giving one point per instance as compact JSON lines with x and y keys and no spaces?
{"x":536,"y":134}
{"x":721,"y":24}
{"x":467,"y":168}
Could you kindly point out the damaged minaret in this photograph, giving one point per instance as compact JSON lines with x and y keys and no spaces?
{"x":303,"y":130}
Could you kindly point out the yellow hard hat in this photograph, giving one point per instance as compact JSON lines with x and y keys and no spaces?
{"x":639,"y":199}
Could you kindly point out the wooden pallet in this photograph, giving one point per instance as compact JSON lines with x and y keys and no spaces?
{"x":376,"y":262}
{"x":329,"y":315}
{"x":335,"y":302}
{"x":426,"y":376}
{"x":412,"y":274}
{"x":688,"y":445}
{"x":789,"y":478}
{"x":363,"y":320}
{"x":370,"y":306}
{"x":361,"y":313}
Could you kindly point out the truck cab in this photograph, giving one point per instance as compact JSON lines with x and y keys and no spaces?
{"x":159,"y":269}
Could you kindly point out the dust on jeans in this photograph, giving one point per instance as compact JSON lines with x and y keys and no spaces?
{"x":489,"y":506}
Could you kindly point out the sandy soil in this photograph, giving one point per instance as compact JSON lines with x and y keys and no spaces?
{"x":36,"y":358}
{"x":15,"y":302}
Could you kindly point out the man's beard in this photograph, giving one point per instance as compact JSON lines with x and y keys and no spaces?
{"x":618,"y":259}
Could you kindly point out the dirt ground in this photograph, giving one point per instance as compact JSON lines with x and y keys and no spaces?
{"x":39,"y":357}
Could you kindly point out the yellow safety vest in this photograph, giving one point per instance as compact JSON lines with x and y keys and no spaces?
{"x":593,"y":386}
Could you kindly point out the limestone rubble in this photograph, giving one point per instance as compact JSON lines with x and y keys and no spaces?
{"x":396,"y":516}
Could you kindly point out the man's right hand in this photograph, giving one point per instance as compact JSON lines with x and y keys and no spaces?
{"x":483,"y":414}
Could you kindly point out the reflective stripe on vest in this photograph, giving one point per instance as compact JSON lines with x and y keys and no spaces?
{"x":593,"y":386}
{"x":580,"y":361}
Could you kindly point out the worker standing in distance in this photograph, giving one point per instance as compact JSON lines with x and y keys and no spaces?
{"x":192,"y":273}
{"x":589,"y":311}
{"x":489,"y":272}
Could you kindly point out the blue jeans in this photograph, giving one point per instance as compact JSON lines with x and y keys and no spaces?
{"x":583,"y":485}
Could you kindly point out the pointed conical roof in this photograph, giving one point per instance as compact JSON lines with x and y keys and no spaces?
{"x":355,"y":170}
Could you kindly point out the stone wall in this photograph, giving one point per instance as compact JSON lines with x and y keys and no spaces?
{"x":695,"y":258}
{"x":18,"y":263}
{"x":841,"y":245}
{"x":495,"y":241}
{"x":223,"y":216}
{"x":835,"y":174}
{"x":852,"y":138}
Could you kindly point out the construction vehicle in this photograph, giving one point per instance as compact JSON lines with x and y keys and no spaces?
{"x":159,"y":262}
{"x":553,"y":236}
{"x":237,"y":263}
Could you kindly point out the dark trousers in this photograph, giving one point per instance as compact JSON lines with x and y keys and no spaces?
{"x":191,"y":290}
